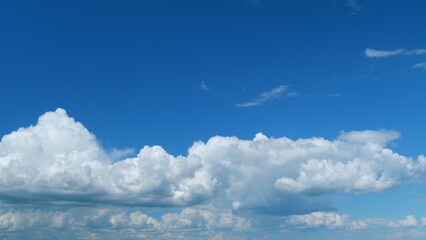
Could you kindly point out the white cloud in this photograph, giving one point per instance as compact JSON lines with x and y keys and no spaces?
{"x":253,"y":3}
{"x":205,"y":219}
{"x":386,"y":53}
{"x":202,"y":218}
{"x":292,"y":94}
{"x":318,"y":219}
{"x":417,"y":52}
{"x":380,"y":137}
{"x":274,"y":93}
{"x":354,"y":6}
{"x":334,"y":95}
{"x":406,"y":234}
{"x":409,"y":221}
{"x":423,"y":221}
{"x":24,"y":219}
{"x":337,"y":221}
{"x":370,"y":167}
{"x":203,"y":86}
{"x":380,"y":53}
{"x":421,"y":65}
{"x":117,"y":154}
{"x":59,"y":162}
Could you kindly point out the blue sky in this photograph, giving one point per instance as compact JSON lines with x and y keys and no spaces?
{"x":150,"y":113}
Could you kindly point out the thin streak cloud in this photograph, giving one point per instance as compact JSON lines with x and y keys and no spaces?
{"x":373,"y":53}
{"x":421,"y":66}
{"x":266,"y":96}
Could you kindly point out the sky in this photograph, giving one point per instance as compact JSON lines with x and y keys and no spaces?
{"x":224,"y":119}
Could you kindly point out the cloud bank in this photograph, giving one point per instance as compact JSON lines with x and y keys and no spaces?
{"x":58,"y":161}
{"x":117,"y":223}
{"x":190,"y":219}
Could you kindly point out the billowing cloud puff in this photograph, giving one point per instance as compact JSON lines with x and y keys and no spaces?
{"x":59,"y":161}
{"x":409,"y":221}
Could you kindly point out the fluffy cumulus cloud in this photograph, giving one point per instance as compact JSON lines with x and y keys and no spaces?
{"x":58,"y":161}
{"x":409,"y":221}
{"x":357,"y":162}
{"x":56,"y":179}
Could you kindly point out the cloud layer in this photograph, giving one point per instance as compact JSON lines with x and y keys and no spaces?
{"x":336,"y":221}
{"x":117,"y":223}
{"x":58,"y":161}
{"x":207,"y":219}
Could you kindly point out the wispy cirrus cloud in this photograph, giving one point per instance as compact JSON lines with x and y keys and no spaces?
{"x":381,"y":53}
{"x":253,"y":3}
{"x":373,"y":53}
{"x":421,"y":65}
{"x":203,"y":86}
{"x":333,"y":95}
{"x":266,"y":96}
{"x":354,"y":6}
